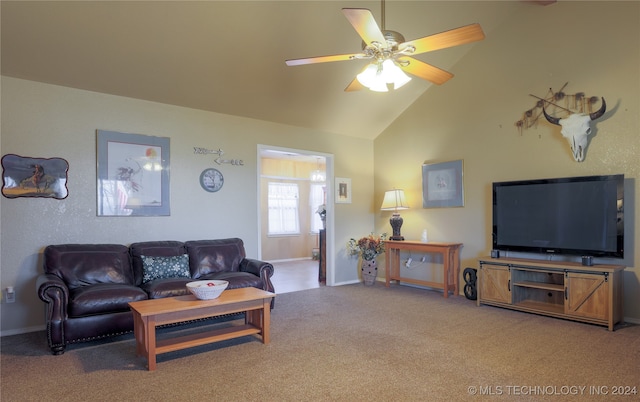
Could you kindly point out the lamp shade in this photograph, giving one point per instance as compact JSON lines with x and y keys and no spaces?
{"x":394,"y":200}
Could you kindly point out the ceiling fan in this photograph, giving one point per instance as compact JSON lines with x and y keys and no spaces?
{"x":390,"y":55}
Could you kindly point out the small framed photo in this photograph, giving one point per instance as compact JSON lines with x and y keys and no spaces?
{"x":343,"y":190}
{"x":442,"y":185}
{"x":132,"y":175}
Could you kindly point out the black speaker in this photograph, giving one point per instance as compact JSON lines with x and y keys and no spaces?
{"x":495,"y":254}
{"x":470,"y":277}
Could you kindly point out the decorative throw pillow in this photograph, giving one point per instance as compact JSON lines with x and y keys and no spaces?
{"x":165,"y":267}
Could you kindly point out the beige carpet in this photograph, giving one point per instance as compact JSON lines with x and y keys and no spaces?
{"x":347,"y":343}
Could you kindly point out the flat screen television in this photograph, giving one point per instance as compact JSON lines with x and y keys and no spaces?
{"x":568,"y":216}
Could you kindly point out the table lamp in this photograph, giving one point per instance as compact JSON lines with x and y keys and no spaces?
{"x":394,"y":200}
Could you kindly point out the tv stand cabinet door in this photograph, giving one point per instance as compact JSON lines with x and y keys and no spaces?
{"x":588,"y":295}
{"x":494,"y":284}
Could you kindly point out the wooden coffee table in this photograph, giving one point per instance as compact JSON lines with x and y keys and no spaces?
{"x":148,"y":314}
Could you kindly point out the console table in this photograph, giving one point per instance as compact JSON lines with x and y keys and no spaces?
{"x":450,"y":261}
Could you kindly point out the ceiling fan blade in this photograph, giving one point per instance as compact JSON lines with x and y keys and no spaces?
{"x":355,"y":85}
{"x":443,"y":40}
{"x":323,"y":59}
{"x":424,"y":70}
{"x":366,"y":26}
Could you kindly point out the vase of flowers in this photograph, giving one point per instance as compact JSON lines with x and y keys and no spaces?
{"x":368,"y":248}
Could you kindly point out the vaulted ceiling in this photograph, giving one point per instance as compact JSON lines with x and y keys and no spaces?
{"x":229,"y":56}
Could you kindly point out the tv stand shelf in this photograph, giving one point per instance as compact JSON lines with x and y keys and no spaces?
{"x":566,"y":290}
{"x":538,"y":285}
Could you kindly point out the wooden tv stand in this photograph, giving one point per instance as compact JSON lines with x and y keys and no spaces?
{"x":566,"y":290}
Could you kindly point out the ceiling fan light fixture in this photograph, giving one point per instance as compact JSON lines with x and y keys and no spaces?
{"x":379,"y":86}
{"x":377,"y":75}
{"x":401,"y":79}
{"x":372,"y":78}
{"x":368,"y":76}
{"x":393,"y":74}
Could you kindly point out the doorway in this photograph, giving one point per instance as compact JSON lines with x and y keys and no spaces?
{"x":298,"y":168}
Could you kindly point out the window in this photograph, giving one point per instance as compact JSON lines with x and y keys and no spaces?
{"x":316,"y":198}
{"x":283,"y":209}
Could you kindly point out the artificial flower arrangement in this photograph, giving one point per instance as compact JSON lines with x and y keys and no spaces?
{"x":369,"y":247}
{"x":322,"y":211}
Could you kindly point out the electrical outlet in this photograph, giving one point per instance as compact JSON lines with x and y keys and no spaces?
{"x":9,"y":295}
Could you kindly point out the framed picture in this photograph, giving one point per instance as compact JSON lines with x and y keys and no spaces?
{"x":442,"y":185}
{"x":343,"y":190}
{"x":132,"y":175}
{"x":34,"y":177}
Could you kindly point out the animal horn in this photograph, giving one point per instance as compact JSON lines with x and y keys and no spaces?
{"x":555,"y":120}
{"x":597,"y":114}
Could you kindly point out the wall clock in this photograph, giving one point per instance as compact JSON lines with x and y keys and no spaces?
{"x":211,"y":180}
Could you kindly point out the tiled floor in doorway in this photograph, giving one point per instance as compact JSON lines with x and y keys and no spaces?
{"x":293,"y":276}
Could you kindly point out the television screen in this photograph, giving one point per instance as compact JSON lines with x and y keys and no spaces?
{"x":575,"y":215}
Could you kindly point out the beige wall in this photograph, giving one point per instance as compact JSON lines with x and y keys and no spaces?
{"x":40,"y":120}
{"x":594,"y":47}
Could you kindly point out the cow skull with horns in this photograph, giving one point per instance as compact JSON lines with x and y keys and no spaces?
{"x":576,"y":128}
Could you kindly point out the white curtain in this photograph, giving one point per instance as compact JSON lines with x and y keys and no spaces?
{"x":283,"y":208}
{"x":316,"y":198}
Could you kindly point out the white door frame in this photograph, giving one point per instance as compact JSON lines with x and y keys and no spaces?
{"x":331,"y":280}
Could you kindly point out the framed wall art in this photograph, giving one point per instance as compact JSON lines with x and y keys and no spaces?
{"x":343,"y":190}
{"x":34,"y":177}
{"x":442,"y":185}
{"x":132,"y":174}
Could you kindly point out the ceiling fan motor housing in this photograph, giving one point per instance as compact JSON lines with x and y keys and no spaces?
{"x":393,"y":39}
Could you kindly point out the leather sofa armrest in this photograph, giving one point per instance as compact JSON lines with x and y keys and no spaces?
{"x":259,"y":268}
{"x":54,"y":292}
{"x":256,"y":267}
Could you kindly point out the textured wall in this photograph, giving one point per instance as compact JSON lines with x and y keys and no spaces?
{"x":595,"y":47}
{"x":40,"y":120}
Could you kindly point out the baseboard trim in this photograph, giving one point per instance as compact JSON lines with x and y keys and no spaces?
{"x":291,"y":259}
{"x":20,"y":331}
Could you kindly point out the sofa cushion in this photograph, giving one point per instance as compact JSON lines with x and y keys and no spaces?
{"x":237,"y":279}
{"x":211,"y":256}
{"x":103,"y":298}
{"x":88,"y":264}
{"x":160,"y":288}
{"x":165,"y":267}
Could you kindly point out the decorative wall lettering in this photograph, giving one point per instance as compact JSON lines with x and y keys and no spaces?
{"x":219,"y":152}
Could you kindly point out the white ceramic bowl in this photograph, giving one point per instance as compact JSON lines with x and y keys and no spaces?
{"x":207,"y":290}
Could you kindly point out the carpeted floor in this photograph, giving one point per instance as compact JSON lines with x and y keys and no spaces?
{"x":348,"y":343}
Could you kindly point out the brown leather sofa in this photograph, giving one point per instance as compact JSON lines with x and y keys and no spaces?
{"x":87,"y":288}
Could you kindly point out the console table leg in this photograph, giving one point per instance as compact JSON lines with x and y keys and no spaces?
{"x":445,"y":286}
